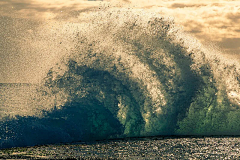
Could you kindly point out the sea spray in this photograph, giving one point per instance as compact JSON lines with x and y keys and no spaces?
{"x":130,"y":73}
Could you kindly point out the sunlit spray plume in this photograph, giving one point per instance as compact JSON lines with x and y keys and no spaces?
{"x":133,"y":73}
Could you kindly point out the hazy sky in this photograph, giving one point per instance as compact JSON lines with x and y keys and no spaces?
{"x":34,"y":33}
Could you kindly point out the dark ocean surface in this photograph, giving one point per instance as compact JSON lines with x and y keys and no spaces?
{"x":135,"y":148}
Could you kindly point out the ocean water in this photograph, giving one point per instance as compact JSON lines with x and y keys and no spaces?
{"x":134,"y":148}
{"x":131,"y":73}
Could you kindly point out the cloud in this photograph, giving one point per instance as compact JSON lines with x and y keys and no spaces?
{"x":234,"y":17}
{"x":23,"y":5}
{"x":233,"y":43}
{"x":209,"y":22}
{"x":193,"y":26}
{"x":183,"y":5}
{"x":43,"y":9}
{"x":230,"y":46}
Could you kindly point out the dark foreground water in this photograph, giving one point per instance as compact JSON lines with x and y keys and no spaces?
{"x":141,"y":148}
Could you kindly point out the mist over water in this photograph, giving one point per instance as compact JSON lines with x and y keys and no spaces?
{"x":130,"y":73}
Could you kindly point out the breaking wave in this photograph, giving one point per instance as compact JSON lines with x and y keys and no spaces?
{"x":131,"y":73}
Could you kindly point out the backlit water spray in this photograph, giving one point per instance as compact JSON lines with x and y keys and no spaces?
{"x":127,"y":73}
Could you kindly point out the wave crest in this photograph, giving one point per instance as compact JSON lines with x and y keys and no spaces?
{"x":134,"y":73}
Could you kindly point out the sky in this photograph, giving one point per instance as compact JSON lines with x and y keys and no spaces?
{"x":34,"y":33}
